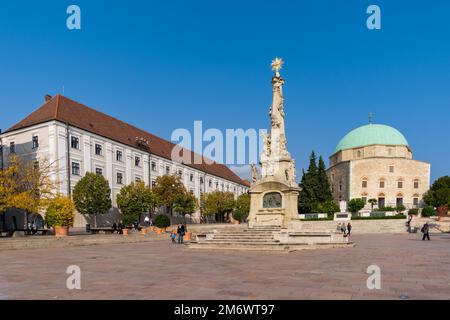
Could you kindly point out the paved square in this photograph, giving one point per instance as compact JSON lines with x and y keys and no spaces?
{"x":160,"y":270}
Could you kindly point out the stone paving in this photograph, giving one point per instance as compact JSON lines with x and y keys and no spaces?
{"x":160,"y":270}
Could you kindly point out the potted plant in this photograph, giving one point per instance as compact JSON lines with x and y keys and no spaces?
{"x":60,"y":215}
{"x":238,"y":217}
{"x":162,"y":222}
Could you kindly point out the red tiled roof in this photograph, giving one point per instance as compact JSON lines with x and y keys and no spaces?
{"x":68,"y":111}
{"x":246,"y":183}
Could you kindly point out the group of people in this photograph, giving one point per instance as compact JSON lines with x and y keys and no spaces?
{"x":181,"y":230}
{"x":345,"y":229}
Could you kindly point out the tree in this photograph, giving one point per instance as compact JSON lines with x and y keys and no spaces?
{"x":60,"y":212}
{"x":167,"y":189}
{"x":186,"y":203}
{"x":439,"y":195}
{"x":372,"y":202}
{"x":92,"y":195}
{"x":218,"y":203}
{"x":355,"y":205}
{"x":25,"y":184}
{"x":243,"y":203}
{"x":323,"y":184}
{"x":135,"y":199}
{"x":328,"y":207}
{"x":315,"y":187}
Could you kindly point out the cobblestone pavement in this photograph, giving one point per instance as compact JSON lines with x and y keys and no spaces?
{"x":410,"y":268}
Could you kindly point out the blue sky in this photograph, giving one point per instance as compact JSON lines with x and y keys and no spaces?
{"x":160,"y":65}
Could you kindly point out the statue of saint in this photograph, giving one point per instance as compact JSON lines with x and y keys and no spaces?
{"x":266,"y":138}
{"x":254,"y":172}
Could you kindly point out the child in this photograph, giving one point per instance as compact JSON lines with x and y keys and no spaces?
{"x":172,"y":236}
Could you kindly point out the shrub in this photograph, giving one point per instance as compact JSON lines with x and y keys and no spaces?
{"x":239,"y":216}
{"x":162,"y":221}
{"x":388,"y":208}
{"x":428,"y":211}
{"x":60,"y":212}
{"x":397,"y":216}
{"x":400,"y":208}
{"x":355,"y":205}
{"x":413,"y":211}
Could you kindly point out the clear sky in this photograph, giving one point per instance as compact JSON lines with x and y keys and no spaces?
{"x":160,"y":65}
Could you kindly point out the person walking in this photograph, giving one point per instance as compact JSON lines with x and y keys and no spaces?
{"x":180,"y":232}
{"x":349,"y":228}
{"x":344,"y":228}
{"x":426,"y":231}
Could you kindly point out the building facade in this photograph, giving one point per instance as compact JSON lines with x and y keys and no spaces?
{"x":76,"y":139}
{"x":375,"y":162}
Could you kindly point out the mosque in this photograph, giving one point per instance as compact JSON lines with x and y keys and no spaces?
{"x":375,"y":161}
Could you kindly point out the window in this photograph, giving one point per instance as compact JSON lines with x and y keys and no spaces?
{"x":391,"y":169}
{"x":210,"y":183}
{"x":35,"y":142}
{"x":167,"y":170}
{"x":416,"y":201}
{"x":75,"y":168}
{"x":75,"y":143}
{"x":416,"y":184}
{"x":399,"y":201}
{"x":98,"y":149}
{"x":180,"y":173}
{"x":153,"y":183}
{"x":381,"y":202}
{"x":191,"y":177}
{"x":359,"y":154}
{"x":381,"y":183}
{"x":340,"y":185}
{"x":137,"y":161}
{"x":36,"y":165}
{"x":12,"y":147}
{"x":201,"y":180}
{"x":399,"y":184}
{"x":119,"y":178}
{"x":137,"y":179}
{"x":364,"y":183}
{"x":99,"y":171}
{"x":119,"y":156}
{"x":153,"y":166}
{"x":217,"y":185}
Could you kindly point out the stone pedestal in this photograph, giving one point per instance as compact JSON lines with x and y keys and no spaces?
{"x":272,"y":203}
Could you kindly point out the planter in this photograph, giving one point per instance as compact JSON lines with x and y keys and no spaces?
{"x":160,"y":230}
{"x":125,"y":232}
{"x":144,"y":231}
{"x":61,"y":231}
{"x":236,"y":222}
{"x":187,"y":236}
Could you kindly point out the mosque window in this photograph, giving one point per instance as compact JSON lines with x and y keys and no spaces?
{"x":364,"y":183}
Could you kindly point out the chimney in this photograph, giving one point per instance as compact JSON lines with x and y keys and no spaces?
{"x":47,"y":97}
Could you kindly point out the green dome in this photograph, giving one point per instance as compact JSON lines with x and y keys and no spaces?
{"x":371,"y":134}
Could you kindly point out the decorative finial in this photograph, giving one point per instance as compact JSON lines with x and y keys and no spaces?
{"x":276,"y":65}
{"x":370,"y":117}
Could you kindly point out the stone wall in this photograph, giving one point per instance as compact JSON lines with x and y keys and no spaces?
{"x":359,"y":226}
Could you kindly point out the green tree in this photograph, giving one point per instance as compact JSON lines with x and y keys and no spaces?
{"x":372,"y":202}
{"x":315,"y":187}
{"x":355,"y":205}
{"x":186,"y":203}
{"x":167,"y":189}
{"x":135,"y":199}
{"x":92,"y":195}
{"x":243,"y":203}
{"x":218,"y":203}
{"x":439,"y":195}
{"x":324,"y":188}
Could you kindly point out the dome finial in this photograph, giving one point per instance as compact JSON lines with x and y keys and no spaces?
{"x":370,"y":117}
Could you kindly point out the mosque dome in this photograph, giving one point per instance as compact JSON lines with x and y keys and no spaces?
{"x":371,"y":134}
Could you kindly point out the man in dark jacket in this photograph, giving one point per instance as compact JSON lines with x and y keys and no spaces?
{"x":180,"y":232}
{"x":426,"y":231}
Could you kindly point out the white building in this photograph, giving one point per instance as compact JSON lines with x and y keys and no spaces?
{"x":77,"y":139}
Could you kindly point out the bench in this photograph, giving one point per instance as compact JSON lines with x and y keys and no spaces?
{"x":107,"y":230}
